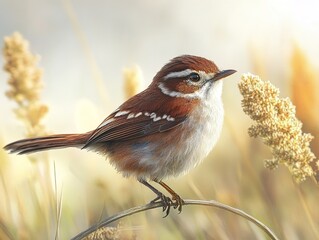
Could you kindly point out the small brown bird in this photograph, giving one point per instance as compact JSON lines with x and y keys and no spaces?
{"x":161,"y":132}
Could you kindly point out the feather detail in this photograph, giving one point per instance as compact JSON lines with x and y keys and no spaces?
{"x":124,"y":127}
{"x":31,"y":145}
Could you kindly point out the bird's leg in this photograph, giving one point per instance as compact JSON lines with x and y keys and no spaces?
{"x":177,"y":200}
{"x":160,"y":196}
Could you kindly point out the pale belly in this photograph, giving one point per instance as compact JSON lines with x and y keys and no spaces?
{"x":172,"y":153}
{"x":198,"y":138}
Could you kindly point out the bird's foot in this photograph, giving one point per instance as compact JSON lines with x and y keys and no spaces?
{"x":178,"y":202}
{"x":166,"y":201}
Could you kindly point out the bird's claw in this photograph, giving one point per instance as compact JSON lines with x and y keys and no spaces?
{"x":176,"y":201}
{"x":166,"y":201}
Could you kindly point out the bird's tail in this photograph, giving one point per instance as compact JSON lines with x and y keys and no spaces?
{"x":37,"y":144}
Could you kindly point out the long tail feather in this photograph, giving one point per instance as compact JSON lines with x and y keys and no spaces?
{"x":30,"y":145}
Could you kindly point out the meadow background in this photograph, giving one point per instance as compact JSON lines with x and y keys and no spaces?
{"x":85,"y":47}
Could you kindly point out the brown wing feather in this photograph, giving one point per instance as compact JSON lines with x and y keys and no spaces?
{"x":122,"y":129}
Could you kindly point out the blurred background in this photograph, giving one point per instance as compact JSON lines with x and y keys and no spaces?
{"x":85,"y":46}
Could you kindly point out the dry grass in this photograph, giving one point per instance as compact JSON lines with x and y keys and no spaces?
{"x":25,"y":85}
{"x":277,"y":125}
{"x":32,"y":206}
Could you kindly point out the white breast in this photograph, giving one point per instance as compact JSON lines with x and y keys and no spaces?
{"x":201,"y":132}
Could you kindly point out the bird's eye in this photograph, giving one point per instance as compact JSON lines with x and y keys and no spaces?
{"x":194,"y":77}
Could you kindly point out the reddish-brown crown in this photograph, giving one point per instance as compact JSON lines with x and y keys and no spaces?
{"x":186,"y":62}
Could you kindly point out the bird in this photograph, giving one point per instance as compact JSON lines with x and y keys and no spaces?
{"x":161,"y":132}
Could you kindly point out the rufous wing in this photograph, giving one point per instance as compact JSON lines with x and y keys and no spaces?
{"x":129,"y":126}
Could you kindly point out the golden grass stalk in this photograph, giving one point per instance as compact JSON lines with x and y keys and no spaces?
{"x":304,"y":88}
{"x":25,"y":83}
{"x":133,"y":81}
{"x":278,"y":127}
{"x":304,"y":93}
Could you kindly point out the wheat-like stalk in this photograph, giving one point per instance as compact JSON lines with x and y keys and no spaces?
{"x":278,"y":126}
{"x":25,"y":83}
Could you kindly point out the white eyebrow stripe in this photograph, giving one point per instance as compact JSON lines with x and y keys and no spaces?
{"x":195,"y":95}
{"x":183,"y":73}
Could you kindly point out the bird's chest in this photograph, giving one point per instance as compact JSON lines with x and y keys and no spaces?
{"x":190,"y":143}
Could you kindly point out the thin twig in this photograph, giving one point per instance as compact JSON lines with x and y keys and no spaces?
{"x":149,"y":206}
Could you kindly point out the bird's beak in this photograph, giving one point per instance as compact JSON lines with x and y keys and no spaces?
{"x":223,"y":74}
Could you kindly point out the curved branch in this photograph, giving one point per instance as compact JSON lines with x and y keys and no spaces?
{"x":149,"y":206}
